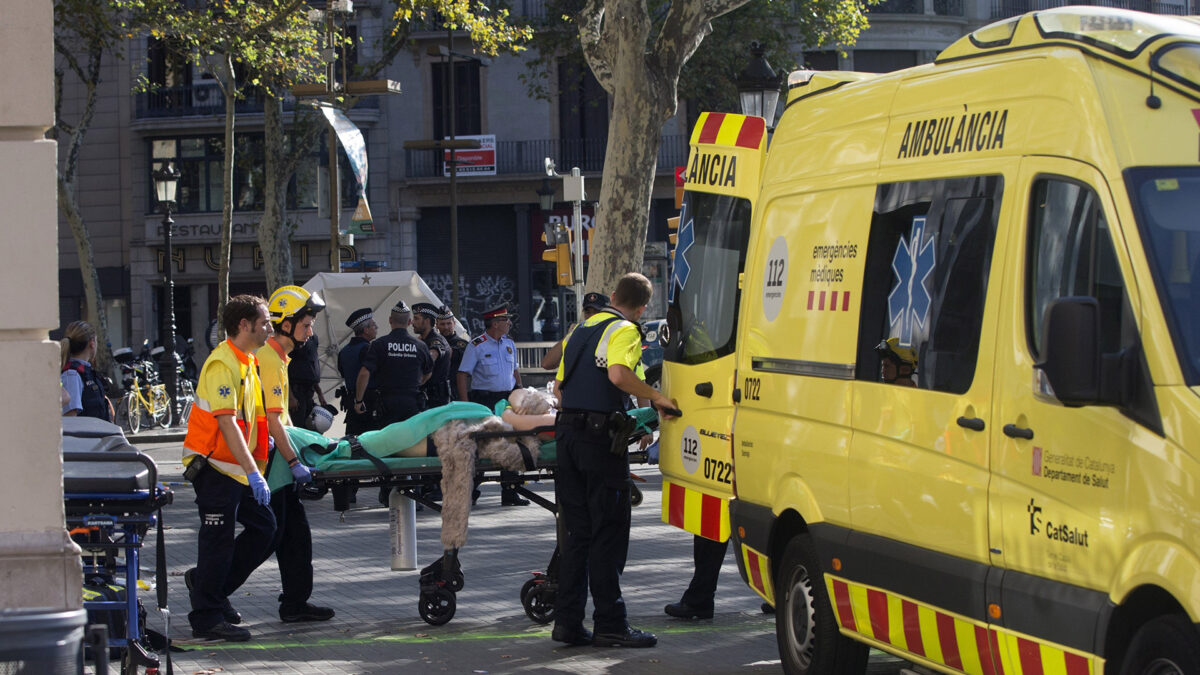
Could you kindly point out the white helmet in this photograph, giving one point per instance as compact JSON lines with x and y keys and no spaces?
{"x":320,"y":419}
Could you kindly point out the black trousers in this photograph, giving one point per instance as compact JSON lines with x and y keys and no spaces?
{"x":304,"y":392}
{"x":292,"y":546}
{"x":708,"y":555}
{"x":223,"y":561}
{"x":592,"y":488}
{"x":490,"y":399}
{"x":399,"y":407}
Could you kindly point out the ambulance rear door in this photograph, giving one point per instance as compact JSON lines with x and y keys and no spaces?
{"x":723,"y":177}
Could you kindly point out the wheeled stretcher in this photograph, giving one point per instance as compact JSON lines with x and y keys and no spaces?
{"x":112,"y":498}
{"x":338,"y":464}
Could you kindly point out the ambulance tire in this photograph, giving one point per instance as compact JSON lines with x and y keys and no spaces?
{"x":807,"y":633}
{"x":1165,"y":646}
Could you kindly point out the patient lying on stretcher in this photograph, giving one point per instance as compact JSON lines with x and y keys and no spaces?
{"x":531,"y":408}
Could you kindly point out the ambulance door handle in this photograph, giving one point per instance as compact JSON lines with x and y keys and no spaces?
{"x":704,"y":389}
{"x":1014,"y":431}
{"x":972,"y":423}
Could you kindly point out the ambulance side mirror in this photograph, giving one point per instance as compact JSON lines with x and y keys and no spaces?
{"x":1071,"y":356}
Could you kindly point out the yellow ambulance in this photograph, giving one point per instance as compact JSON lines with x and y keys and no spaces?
{"x":958,"y":356}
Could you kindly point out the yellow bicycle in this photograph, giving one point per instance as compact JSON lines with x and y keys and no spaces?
{"x":144,"y":402}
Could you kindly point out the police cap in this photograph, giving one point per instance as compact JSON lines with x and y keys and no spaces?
{"x":359,"y":317}
{"x":500,"y":312}
{"x":401,"y":308}
{"x":426,"y":309}
{"x":595,"y":301}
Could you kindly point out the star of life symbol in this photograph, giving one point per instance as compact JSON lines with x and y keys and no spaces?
{"x":680,"y":270}
{"x":278,"y":390}
{"x":909,"y":301}
{"x":224,"y":391}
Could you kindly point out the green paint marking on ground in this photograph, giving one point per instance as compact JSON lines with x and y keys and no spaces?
{"x":456,"y":637}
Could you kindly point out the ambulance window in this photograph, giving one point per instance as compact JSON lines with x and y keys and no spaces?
{"x":711,"y":251}
{"x":1070,"y":253}
{"x":926,"y":281}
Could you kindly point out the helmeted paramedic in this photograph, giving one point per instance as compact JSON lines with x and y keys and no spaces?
{"x":897,"y":364}
{"x":224,"y":455}
{"x":293,"y":311}
{"x":592,"y":484}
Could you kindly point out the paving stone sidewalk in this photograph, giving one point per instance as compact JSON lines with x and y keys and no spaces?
{"x":378,"y":629}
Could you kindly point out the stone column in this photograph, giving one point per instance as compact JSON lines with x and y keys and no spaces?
{"x":405,"y":256}
{"x":39,"y":565}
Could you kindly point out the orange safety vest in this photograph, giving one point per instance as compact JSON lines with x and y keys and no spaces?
{"x":215,"y":397}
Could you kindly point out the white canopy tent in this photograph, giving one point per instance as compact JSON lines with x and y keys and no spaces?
{"x":343,"y":293}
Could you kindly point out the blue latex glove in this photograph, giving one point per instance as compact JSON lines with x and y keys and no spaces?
{"x":301,"y":473}
{"x":652,"y":453}
{"x":262,"y":493}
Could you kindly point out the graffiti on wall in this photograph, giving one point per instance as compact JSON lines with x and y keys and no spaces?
{"x":478,"y":294}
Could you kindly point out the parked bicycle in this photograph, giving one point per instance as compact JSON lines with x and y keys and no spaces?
{"x":145,"y":400}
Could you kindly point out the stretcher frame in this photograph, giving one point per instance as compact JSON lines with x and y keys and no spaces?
{"x":441,"y":580}
{"x":131,"y":514}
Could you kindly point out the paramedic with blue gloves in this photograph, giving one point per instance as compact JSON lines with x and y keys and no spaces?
{"x":592,"y":487}
{"x":293,"y":310}
{"x":224,"y":456}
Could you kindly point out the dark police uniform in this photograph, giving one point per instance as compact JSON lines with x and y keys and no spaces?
{"x":437,"y":389}
{"x":397,"y":362}
{"x":304,"y":376}
{"x":592,"y":484}
{"x":350,"y":361}
{"x":92,"y":399}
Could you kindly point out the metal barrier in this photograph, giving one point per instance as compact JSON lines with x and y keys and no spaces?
{"x":529,"y":356}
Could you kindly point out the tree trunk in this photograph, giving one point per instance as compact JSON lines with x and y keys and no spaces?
{"x":619,"y":236}
{"x":230,"y":91}
{"x":93,"y":298}
{"x":274,"y":233}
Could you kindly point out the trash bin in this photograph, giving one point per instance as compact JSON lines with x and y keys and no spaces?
{"x":41,"y":641}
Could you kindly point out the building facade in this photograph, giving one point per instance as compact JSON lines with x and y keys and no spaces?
{"x":499,"y":219}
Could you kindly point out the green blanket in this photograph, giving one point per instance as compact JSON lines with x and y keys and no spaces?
{"x":385,"y":442}
{"x":392,"y":439}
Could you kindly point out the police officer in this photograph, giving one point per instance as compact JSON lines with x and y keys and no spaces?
{"x":304,"y":376}
{"x":350,"y":359}
{"x":488,"y":374}
{"x":82,"y":383}
{"x":437,"y":389}
{"x":445,"y":326}
{"x":592,"y":481}
{"x":400,"y":364}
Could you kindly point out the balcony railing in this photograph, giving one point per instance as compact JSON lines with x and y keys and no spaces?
{"x":898,"y":7}
{"x":206,"y":99}
{"x":1002,"y":9}
{"x":948,"y":7}
{"x":528,"y":157}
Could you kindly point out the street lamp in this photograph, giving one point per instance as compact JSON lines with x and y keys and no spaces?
{"x":166,"y":180}
{"x":545,"y":194}
{"x":758,"y":86}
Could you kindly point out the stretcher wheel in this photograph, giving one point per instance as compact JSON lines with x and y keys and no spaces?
{"x":635,"y":496}
{"x":437,"y":606}
{"x":456,"y":584}
{"x":538,"y":601}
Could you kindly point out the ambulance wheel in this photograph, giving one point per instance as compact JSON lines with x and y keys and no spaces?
{"x":808,"y":637}
{"x":635,"y":496}
{"x":538,"y":603}
{"x":437,"y":607}
{"x":456,"y":584}
{"x":1165,"y":646}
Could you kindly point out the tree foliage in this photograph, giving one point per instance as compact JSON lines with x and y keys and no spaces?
{"x":640,"y":52}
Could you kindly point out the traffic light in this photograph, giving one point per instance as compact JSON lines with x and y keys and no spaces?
{"x":558,"y":237}
{"x":673,"y":224}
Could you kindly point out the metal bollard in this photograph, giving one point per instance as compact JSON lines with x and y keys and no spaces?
{"x":404,"y":531}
